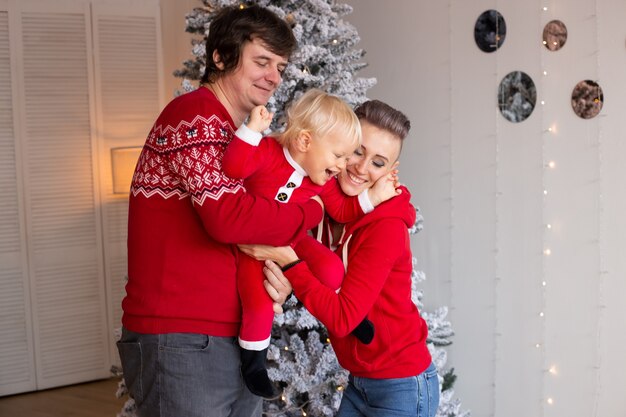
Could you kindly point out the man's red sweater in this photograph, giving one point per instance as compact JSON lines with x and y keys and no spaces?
{"x":185,"y":215}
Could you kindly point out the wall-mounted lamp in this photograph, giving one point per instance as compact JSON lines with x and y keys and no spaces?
{"x":123,"y":161}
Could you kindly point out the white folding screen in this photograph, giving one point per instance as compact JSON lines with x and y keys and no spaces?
{"x":17,"y":366}
{"x":68,"y":93}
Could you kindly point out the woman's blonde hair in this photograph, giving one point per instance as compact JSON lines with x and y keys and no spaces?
{"x":320,"y":113}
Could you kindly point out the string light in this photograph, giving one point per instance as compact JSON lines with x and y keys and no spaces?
{"x":601,"y":241}
{"x":546,"y":251}
{"x":553,"y":370}
{"x":550,"y":401}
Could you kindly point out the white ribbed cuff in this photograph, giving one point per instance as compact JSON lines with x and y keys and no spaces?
{"x":248,"y":135}
{"x":365,"y":202}
{"x":256,"y":345}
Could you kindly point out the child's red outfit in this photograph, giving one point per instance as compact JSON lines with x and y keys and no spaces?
{"x":377,"y":254}
{"x":269,"y":171}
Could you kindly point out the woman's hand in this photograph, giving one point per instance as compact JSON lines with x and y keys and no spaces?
{"x":277,"y":285}
{"x":281,"y":254}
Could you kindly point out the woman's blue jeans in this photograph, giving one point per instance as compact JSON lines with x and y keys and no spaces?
{"x":416,"y":396}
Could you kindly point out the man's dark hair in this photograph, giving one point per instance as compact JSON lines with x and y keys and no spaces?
{"x":233,"y":26}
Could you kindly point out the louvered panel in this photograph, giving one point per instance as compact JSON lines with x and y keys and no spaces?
{"x":17,"y":371}
{"x":64,"y":243}
{"x":117,"y":271}
{"x":130,"y":93}
{"x":117,"y":265}
{"x":9,"y":216}
{"x":70,"y":312}
{"x":129,"y":100}
{"x":16,"y":354}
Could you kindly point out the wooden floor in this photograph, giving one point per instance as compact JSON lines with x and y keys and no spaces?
{"x":93,"y":399}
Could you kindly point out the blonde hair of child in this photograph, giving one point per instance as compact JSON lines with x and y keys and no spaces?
{"x":320,"y":113}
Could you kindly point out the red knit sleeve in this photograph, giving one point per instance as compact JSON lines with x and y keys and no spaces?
{"x":368,"y":270}
{"x":183,"y":159}
{"x":242,"y":159}
{"x":340,"y":207}
{"x":230,"y":215}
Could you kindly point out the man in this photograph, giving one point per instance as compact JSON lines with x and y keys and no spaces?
{"x":181,"y":312}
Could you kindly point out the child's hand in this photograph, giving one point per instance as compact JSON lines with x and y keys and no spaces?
{"x":260,"y":119}
{"x":384,"y":188}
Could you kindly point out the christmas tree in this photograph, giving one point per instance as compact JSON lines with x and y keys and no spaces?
{"x":301,"y":359}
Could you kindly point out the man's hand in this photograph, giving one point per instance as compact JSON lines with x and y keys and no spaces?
{"x":281,"y":254}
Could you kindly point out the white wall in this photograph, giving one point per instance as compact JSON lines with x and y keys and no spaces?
{"x":176,"y":42}
{"x":480,"y":182}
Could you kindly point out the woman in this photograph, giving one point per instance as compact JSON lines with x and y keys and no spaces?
{"x":393,"y":375}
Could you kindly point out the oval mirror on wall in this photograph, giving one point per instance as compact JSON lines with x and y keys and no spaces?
{"x":587,"y":99}
{"x":517,"y":96}
{"x":554,"y":35}
{"x":490,"y":31}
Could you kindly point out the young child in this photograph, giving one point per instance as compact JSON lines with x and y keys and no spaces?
{"x":322,"y":133}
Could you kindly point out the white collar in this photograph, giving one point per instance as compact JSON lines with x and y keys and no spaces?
{"x":293,"y":163}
